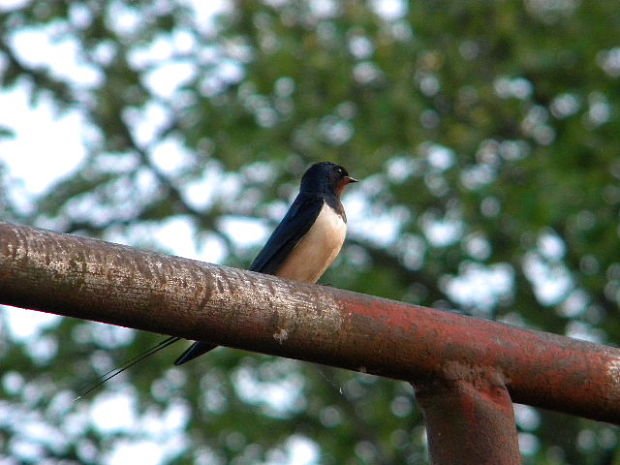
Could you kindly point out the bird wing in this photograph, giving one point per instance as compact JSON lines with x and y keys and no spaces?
{"x":295,"y":224}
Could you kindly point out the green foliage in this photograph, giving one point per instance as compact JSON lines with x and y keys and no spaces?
{"x":486,"y":134}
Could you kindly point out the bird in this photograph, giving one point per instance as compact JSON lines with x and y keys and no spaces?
{"x":307,"y":240}
{"x":301,"y":248}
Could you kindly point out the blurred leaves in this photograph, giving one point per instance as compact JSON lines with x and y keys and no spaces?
{"x":486,"y":134}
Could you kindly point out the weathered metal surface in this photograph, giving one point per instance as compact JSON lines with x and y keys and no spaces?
{"x":91,"y":279}
{"x":469,"y":419}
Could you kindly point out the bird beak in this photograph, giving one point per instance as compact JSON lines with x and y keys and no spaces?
{"x":343,"y":182}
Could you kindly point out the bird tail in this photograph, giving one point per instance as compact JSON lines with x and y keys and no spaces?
{"x":195,"y":350}
{"x":125,"y":366}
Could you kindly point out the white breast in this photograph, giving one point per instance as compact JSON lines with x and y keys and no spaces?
{"x":317,"y":249}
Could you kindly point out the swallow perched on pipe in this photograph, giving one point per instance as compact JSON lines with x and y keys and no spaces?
{"x":301,"y":248}
{"x":308,"y":238}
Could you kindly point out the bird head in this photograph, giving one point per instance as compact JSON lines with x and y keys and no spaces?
{"x":326,"y":177}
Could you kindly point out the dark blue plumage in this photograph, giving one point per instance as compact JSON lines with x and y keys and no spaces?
{"x":307,"y":239}
{"x":297,"y":221}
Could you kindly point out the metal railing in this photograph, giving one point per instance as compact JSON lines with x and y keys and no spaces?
{"x":466,"y":372}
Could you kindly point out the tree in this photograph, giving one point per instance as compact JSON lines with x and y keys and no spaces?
{"x":485,"y":135}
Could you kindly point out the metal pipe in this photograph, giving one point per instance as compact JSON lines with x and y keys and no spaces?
{"x":469,"y":420}
{"x":86,"y":278}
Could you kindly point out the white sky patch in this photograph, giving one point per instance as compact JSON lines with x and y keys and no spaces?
{"x":379,"y":227}
{"x":176,"y":235}
{"x":200,"y":193}
{"x":123,"y":406}
{"x":439,"y":158}
{"x":230,"y":71}
{"x":441,"y":232}
{"x":143,"y":451}
{"x":204,"y":13}
{"x":399,"y":169}
{"x":575,"y":304}
{"x":527,"y":417}
{"x":245,"y":231}
{"x":123,"y":19}
{"x":165,"y":80}
{"x":372,"y":220}
{"x":551,"y":246}
{"x":111,"y":336}
{"x":551,"y":281}
{"x":51,"y":47}
{"x":480,"y":286}
{"x":8,"y":5}
{"x":148,"y":122}
{"x":42,"y":349}
{"x":26,"y":324}
{"x":56,"y":151}
{"x":163,"y":429}
{"x":165,"y":423}
{"x":279,"y":396}
{"x":229,"y":187}
{"x":163,"y":48}
{"x":585,"y":332}
{"x":390,"y":10}
{"x":38,"y":432}
{"x":160,"y":49}
{"x":382,"y":229}
{"x":171,"y":157}
{"x":184,"y":41}
{"x":321,"y":9}
{"x":302,"y":451}
{"x":179,"y":236}
{"x":528,"y":444}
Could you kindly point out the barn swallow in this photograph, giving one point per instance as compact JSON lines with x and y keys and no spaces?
{"x":301,"y":248}
{"x":308,"y":238}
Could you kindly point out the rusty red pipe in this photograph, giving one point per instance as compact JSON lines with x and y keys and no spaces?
{"x":85,"y":278}
{"x":469,"y":422}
